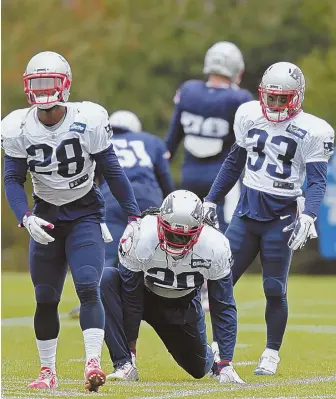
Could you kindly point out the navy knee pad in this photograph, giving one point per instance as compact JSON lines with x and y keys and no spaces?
{"x":274,"y":287}
{"x":45,"y":293}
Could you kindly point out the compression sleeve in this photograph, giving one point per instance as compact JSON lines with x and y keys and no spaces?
{"x":132,"y":293}
{"x":223,"y":314}
{"x":316,"y":186}
{"x":229,"y":174}
{"x":108,"y":165}
{"x":15,"y":173}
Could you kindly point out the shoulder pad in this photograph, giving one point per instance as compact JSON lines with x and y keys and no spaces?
{"x":93,"y":113}
{"x":11,"y":124}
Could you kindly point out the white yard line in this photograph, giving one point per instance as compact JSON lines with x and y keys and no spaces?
{"x":245,"y":327}
{"x":201,"y":392}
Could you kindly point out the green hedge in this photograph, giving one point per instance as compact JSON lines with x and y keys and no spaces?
{"x":133,"y":54}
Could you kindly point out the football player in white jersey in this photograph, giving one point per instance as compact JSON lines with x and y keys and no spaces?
{"x":60,"y":144}
{"x":278,"y":144}
{"x":163,"y":264}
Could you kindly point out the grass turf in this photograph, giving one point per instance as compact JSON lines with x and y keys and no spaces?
{"x":308,"y":355}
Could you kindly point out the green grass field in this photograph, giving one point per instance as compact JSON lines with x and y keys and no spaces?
{"x":307,"y":368}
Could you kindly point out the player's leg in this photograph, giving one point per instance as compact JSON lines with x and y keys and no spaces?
{"x":48,"y":270}
{"x":115,"y":337}
{"x":85,"y":254}
{"x":183,"y":332}
{"x":275,"y":259}
{"x":243,"y":235}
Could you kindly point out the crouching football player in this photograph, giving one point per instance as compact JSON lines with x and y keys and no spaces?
{"x":163,"y":263}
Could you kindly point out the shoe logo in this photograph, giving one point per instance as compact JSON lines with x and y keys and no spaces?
{"x":284,"y":217}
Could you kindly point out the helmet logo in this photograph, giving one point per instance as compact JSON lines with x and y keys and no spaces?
{"x":197,"y":212}
{"x":296,"y":75}
{"x":167,"y":206}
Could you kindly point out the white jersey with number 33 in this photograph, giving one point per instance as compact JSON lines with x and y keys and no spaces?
{"x":277,"y":153}
{"x":59,"y":159}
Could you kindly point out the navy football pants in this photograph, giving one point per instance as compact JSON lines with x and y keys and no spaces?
{"x":181,"y":328}
{"x":249,"y":237}
{"x":77,"y":244}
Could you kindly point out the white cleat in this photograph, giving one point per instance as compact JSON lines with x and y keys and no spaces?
{"x":268,"y":363}
{"x":228,"y":375}
{"x":126,"y":372}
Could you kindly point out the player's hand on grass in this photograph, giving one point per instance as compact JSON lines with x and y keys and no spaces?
{"x":228,"y":375}
{"x":35,"y":225}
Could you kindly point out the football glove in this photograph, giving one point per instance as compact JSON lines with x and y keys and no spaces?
{"x":228,"y":375}
{"x":35,"y":225}
{"x":209,"y":214}
{"x":301,"y":231}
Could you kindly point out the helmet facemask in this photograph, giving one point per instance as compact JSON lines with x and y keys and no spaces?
{"x":177,"y":239}
{"x":46,"y":89}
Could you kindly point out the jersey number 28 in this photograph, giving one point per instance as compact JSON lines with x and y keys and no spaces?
{"x":68,"y":154}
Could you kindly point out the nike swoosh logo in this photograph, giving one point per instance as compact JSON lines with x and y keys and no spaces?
{"x":284,"y":217}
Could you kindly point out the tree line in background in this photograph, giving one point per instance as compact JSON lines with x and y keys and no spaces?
{"x":134,"y":54}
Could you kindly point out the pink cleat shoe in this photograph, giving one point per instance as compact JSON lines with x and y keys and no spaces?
{"x":46,"y":380}
{"x":94,"y":376}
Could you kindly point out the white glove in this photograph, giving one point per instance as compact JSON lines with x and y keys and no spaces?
{"x":107,"y":237}
{"x":34,"y":226}
{"x":209,"y":214}
{"x":228,"y":375}
{"x":302,"y":231}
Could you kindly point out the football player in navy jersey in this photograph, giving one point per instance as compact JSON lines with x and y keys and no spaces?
{"x":61,"y":143}
{"x":279,"y":145}
{"x":203,"y":118}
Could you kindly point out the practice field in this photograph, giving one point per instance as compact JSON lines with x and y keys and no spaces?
{"x":307,"y":368}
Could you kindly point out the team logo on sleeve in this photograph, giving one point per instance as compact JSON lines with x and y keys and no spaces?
{"x":109,"y":131}
{"x":328,"y":148}
{"x":78,"y":127}
{"x":177,"y":97}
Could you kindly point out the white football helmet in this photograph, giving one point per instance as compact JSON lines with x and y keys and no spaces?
{"x":224,"y":58}
{"x":47,"y":80}
{"x":180,"y":222}
{"x":281,"y":91}
{"x":125,"y":120}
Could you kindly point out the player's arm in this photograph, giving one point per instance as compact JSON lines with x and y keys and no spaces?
{"x":316,"y":151}
{"x":101,"y":149}
{"x":108,"y":165}
{"x":228,"y":175}
{"x":231,"y":169}
{"x":223,"y":314}
{"x":15,"y":173}
{"x":132,"y":287}
{"x":161,"y":169}
{"x":132,"y":294}
{"x":175,"y":132}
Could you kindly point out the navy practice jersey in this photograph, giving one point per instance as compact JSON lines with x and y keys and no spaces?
{"x":203,"y":118}
{"x":144,"y":159}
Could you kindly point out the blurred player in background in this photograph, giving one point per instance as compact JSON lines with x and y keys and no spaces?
{"x":163,"y":264}
{"x":145,"y":162}
{"x":203,"y":118}
{"x":61,"y":143}
{"x":278,"y":144}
